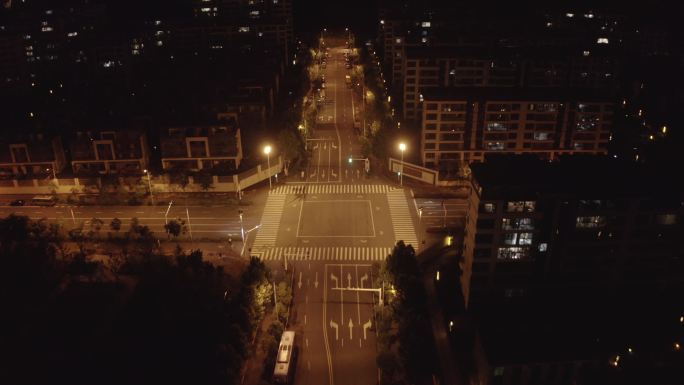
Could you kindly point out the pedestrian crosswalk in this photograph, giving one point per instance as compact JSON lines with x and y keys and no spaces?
{"x":323,"y":253}
{"x":402,"y":222}
{"x":270,"y":221}
{"x":332,"y":189}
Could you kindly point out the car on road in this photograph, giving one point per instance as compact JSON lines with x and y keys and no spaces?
{"x":18,"y":202}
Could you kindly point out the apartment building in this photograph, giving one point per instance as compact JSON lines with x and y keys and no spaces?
{"x":583,"y":223}
{"x":120,"y":151}
{"x":217,"y":146}
{"x":468,"y":124}
{"x":31,"y":153}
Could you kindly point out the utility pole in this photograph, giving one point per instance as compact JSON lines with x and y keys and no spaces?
{"x":187,"y":213}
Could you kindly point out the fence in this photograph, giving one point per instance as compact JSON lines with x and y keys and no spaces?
{"x":232,"y":183}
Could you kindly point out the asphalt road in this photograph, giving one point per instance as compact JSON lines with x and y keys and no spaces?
{"x":328,"y":230}
{"x":441,"y":212}
{"x":204,"y":221}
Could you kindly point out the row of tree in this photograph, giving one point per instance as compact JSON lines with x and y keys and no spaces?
{"x":406,"y":352}
{"x":143,"y":318}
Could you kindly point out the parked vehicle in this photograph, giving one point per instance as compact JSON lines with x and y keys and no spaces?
{"x":43,"y":200}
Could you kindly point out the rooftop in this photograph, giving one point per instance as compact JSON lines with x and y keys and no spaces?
{"x":511,"y":175}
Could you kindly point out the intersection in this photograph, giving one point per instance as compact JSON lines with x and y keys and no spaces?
{"x":328,"y":230}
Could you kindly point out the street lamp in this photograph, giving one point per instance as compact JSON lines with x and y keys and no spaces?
{"x":242,"y":228}
{"x":420,"y":217}
{"x":54,"y":176}
{"x":402,"y":148}
{"x":166,"y":214}
{"x":267,"y":151}
{"x":149,"y":184}
{"x":244,"y":243}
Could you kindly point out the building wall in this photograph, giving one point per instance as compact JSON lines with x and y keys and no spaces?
{"x":543,"y":241}
{"x":467,"y":130}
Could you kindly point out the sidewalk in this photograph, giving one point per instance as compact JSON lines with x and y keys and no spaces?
{"x":451,"y":374}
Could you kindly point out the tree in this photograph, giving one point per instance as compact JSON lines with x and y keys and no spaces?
{"x":179,"y":175}
{"x":95,"y":227}
{"x":205,"y":179}
{"x":175,"y":227}
{"x":291,"y":144}
{"x":115,"y":225}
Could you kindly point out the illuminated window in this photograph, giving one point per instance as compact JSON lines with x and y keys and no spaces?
{"x":243,"y":29}
{"x":513,"y":253}
{"x":666,"y":219}
{"x":602,"y":40}
{"x":543,"y":246}
{"x":511,"y":239}
{"x":425,"y":24}
{"x":517,"y":223}
{"x":525,"y":238}
{"x":489,"y":207}
{"x":520,"y":206}
{"x":398,"y":40}
{"x":72,"y":34}
{"x":591,"y":222}
{"x":495,"y":146}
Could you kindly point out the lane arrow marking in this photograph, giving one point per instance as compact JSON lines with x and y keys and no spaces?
{"x":366,"y":326}
{"x":351,"y":326}
{"x":334,"y":325}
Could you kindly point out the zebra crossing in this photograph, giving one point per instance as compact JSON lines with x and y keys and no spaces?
{"x":402,"y":222}
{"x":323,"y":253}
{"x":332,"y":189}
{"x":270,"y":221}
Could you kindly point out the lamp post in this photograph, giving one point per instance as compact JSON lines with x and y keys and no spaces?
{"x":166,"y":214}
{"x":242,"y":228}
{"x":149,"y":184}
{"x":402,"y":148}
{"x":267,"y":151}
{"x":244,"y":243}
{"x":420,"y":217}
{"x":54,"y":175}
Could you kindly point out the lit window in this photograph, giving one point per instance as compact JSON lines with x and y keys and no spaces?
{"x":72,"y":34}
{"x":489,"y":207}
{"x":666,"y":219}
{"x":543,"y":246}
{"x":398,"y":40}
{"x":520,"y":206}
{"x":513,"y":253}
{"x":425,"y":24}
{"x":602,"y":40}
{"x":525,"y":238}
{"x":46,"y":29}
{"x":570,"y":14}
{"x":517,"y":223}
{"x":589,"y":15}
{"x":542,"y":136}
{"x":424,"y":40}
{"x":586,"y":53}
{"x":260,"y":34}
{"x":157,"y":22}
{"x":591,"y":221}
{"x":243,"y":29}
{"x":510,"y":238}
{"x":495,"y":146}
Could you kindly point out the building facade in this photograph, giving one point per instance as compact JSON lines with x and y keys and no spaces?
{"x":109,"y":151}
{"x":466,"y":125}
{"x":577,"y":224}
{"x":213,"y":146}
{"x":32,"y":153}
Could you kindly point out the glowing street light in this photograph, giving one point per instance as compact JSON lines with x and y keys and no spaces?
{"x":402,"y":148}
{"x":267,"y":151}
{"x":149,"y":184}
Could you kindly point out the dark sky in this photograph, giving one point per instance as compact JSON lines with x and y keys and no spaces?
{"x":312,"y":15}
